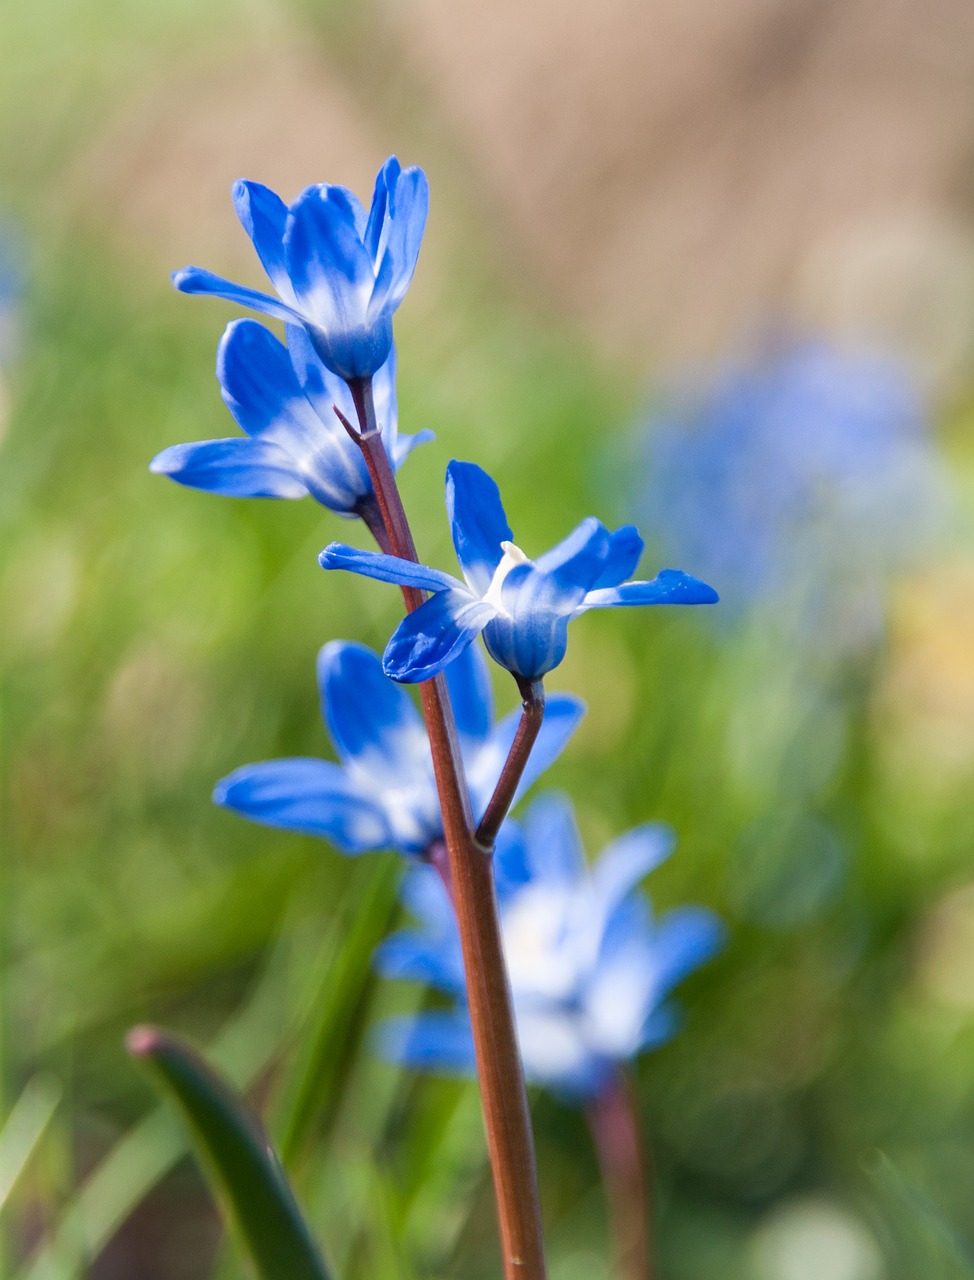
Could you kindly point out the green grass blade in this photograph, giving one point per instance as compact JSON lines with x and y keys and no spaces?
{"x":238,"y":1156}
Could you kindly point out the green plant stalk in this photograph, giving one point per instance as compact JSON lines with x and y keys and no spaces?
{"x":503,"y":1095}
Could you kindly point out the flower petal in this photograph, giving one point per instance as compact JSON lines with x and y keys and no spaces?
{"x":374,"y":564}
{"x":434,"y":634}
{"x":196,"y":280}
{"x":670,"y":586}
{"x":624,"y":862}
{"x":554,"y":848}
{"x":685,"y":938}
{"x":477,"y":521}
{"x":371,"y":720}
{"x":472,"y":696}
{"x":263,"y":215}
{"x":261,"y":390}
{"x":405,"y":222}
{"x":237,"y":468}
{"x":332,"y":275}
{"x":310,"y":796}
{"x":439,"y":1041}
{"x":625,"y":549}
{"x":579,"y":560}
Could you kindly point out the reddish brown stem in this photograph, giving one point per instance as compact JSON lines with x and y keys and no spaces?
{"x":503,"y":1095}
{"x":614,"y":1125}
{"x":532,"y":714}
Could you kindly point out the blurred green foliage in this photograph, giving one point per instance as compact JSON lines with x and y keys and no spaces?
{"x":154,"y":638}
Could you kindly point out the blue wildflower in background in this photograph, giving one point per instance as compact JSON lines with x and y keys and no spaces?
{"x":522,"y":607}
{"x":591,"y":968}
{"x":283,"y":398}
{"x":338,"y":272}
{"x":382,"y":794}
{"x":767,"y":474}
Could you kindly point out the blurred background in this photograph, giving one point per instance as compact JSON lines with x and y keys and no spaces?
{"x":706,"y":267}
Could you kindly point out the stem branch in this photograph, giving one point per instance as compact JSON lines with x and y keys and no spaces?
{"x":532,"y":714}
{"x":503,"y":1095}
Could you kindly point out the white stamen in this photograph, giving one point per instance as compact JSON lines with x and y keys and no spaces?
{"x":513,"y":555}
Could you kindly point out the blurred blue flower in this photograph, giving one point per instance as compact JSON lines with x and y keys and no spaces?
{"x":339,"y":272}
{"x":591,"y":969}
{"x":283,"y":398}
{"x":382,"y":794}
{"x":522,"y":607}
{"x":800,"y":480}
{"x":13,"y":270}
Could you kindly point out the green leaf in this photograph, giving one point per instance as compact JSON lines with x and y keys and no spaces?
{"x":238,"y":1156}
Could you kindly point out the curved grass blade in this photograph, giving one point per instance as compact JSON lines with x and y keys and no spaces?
{"x":238,"y":1157}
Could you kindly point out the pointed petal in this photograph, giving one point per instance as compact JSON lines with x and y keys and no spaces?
{"x":373,"y":564}
{"x":371,"y":720}
{"x":196,"y":280}
{"x":686,"y":938}
{"x":385,"y":179}
{"x":310,"y":796}
{"x":237,"y":468}
{"x":329,"y":266}
{"x":625,"y":548}
{"x":554,"y":848}
{"x":670,"y":586}
{"x":434,"y":634}
{"x":580,"y":559}
{"x":438,"y":1041}
{"x":405,"y":223}
{"x":477,"y":521}
{"x":624,"y":862}
{"x":472,"y":696}
{"x":263,"y":216}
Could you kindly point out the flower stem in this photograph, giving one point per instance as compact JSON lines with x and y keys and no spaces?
{"x":503,"y":1095}
{"x":614,"y":1126}
{"x":532,"y":714}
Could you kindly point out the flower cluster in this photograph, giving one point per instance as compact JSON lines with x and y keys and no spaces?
{"x":590,"y":968}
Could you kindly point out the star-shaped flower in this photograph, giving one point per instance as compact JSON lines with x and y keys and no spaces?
{"x":382,"y":794}
{"x":522,"y":607}
{"x":283,"y":398}
{"x":338,"y":272}
{"x":591,"y":969}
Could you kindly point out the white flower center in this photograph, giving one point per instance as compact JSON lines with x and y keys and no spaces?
{"x":513,"y":555}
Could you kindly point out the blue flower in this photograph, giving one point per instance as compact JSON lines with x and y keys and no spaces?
{"x":591,"y":969}
{"x":382,"y":794}
{"x":339,"y":272}
{"x":522,"y":607}
{"x":767,"y":472}
{"x":283,"y":398}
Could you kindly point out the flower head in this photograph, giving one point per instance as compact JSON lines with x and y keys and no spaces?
{"x":591,"y":969}
{"x":382,"y":794}
{"x":338,"y":272}
{"x":522,"y":607}
{"x":283,"y":398}
{"x":767,"y":471}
